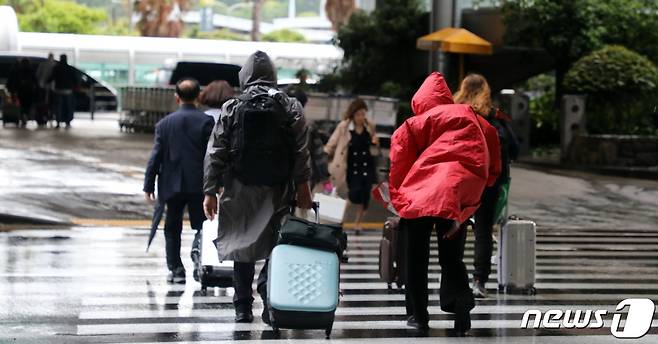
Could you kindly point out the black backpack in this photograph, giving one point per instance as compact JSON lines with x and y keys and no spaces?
{"x":262,"y":147}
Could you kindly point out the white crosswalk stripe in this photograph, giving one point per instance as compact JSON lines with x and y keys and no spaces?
{"x":124,"y":298}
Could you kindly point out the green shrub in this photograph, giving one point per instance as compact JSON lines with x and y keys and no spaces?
{"x":223,"y":34}
{"x":284,"y":35}
{"x":622,"y":90}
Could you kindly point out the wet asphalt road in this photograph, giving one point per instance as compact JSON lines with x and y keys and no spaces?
{"x":94,"y":171}
{"x":597,"y":244}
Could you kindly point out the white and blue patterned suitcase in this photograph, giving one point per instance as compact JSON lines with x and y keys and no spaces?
{"x":302,"y":288}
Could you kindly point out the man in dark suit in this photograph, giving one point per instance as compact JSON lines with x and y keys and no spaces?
{"x":180,"y":145}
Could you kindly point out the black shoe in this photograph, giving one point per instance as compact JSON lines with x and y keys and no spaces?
{"x":243,"y":314}
{"x":176,"y":277}
{"x":411,"y":322}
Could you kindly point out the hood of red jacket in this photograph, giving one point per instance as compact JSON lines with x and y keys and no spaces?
{"x":434,"y":91}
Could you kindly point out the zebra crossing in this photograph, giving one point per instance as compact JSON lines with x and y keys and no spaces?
{"x":97,"y":285}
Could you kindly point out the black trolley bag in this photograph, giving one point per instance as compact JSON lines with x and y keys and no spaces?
{"x":11,"y":109}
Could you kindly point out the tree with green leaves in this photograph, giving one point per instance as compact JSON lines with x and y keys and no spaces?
{"x":570,"y":29}
{"x":622,"y":89}
{"x":380,"y":55}
{"x":56,"y":16}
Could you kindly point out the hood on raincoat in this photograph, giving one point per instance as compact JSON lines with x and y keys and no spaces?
{"x":434,"y":91}
{"x":441,"y":158}
{"x":258,"y":70}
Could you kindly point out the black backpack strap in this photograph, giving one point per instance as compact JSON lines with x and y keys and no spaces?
{"x":245,"y":97}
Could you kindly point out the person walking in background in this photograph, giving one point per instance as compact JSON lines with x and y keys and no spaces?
{"x":180,"y":145}
{"x":319,"y":158}
{"x":255,"y":176}
{"x":441,"y":161}
{"x":214,"y":96}
{"x":352,"y":166}
{"x":44,"y":71}
{"x":475,"y":91}
{"x":66,"y":82}
{"x":22,"y":84}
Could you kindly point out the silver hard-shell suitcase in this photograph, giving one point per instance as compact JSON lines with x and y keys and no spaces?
{"x":516,"y":257}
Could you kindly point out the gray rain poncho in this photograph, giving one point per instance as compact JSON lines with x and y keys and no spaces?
{"x":249,"y":216}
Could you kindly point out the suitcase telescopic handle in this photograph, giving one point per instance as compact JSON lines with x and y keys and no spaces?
{"x":316,"y":209}
{"x":314,"y":205}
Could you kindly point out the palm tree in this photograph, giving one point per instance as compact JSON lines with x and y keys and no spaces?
{"x":255,"y":19}
{"x":160,"y":18}
{"x":339,"y":12}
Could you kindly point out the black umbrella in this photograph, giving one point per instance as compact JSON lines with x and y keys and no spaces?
{"x":157,"y":216}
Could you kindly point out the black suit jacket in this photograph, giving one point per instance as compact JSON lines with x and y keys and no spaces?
{"x":181,"y":139}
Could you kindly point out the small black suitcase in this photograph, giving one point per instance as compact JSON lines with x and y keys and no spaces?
{"x":11,"y":111}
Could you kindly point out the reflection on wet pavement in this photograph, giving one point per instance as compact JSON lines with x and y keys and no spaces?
{"x":597,"y":245}
{"x":96,"y":285}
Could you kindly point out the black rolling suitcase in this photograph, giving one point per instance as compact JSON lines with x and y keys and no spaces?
{"x":11,"y":110}
{"x":208,"y":270}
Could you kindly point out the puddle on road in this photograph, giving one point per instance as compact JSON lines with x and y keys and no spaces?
{"x":45,"y":173}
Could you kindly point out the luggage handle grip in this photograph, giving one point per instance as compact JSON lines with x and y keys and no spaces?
{"x":314,"y":205}
{"x":316,"y":209}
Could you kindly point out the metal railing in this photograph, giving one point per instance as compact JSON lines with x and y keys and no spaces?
{"x":143,"y":107}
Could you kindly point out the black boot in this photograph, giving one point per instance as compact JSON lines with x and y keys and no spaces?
{"x":265,"y":316}
{"x":412,"y":322}
{"x":463,"y":308}
{"x":243,"y":313}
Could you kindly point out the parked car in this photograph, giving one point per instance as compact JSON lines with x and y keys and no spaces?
{"x":92,"y":95}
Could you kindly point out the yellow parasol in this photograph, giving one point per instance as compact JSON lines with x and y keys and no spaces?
{"x":455,"y":40}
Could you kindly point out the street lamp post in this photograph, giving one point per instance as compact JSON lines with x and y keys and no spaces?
{"x":441,"y":16}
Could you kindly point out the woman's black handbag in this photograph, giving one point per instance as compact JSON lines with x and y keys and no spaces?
{"x":300,"y":232}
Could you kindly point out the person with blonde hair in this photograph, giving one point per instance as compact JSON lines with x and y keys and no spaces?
{"x":352,"y":166}
{"x":475,"y":91}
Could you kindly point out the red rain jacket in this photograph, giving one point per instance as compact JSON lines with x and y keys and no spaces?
{"x":443,"y":157}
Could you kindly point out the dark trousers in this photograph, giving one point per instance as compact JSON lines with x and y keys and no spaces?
{"x":483,"y":229}
{"x":174,"y":224}
{"x":243,"y":278}
{"x":455,"y":291}
{"x":65,"y":106}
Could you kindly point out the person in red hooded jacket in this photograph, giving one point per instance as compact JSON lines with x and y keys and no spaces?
{"x":441,"y":160}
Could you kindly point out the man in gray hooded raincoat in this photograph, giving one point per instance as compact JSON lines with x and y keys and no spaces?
{"x":250,"y":215}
